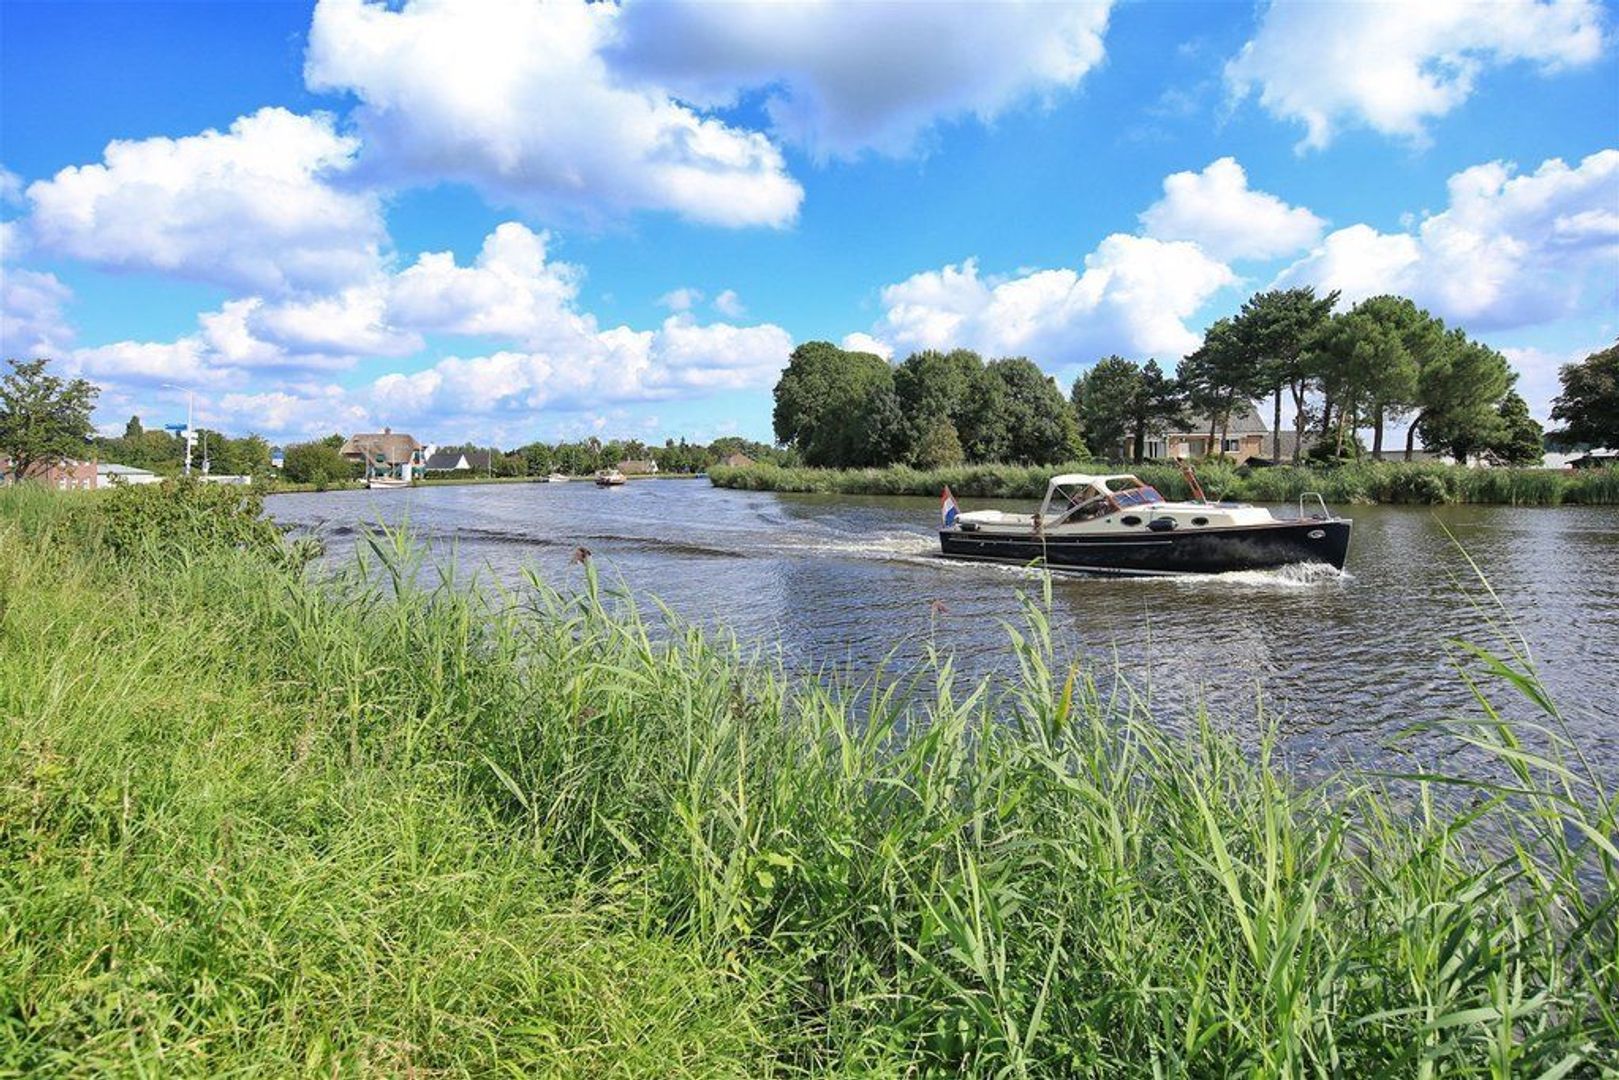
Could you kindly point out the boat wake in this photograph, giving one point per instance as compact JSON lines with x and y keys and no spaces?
{"x":1296,"y":576}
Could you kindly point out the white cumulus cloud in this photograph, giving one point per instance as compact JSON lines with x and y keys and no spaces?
{"x":729,"y":304}
{"x":841,"y":78}
{"x":863,"y":342}
{"x":1510,"y":250}
{"x":251,"y":207}
{"x":1133,"y":296}
{"x":32,"y":320}
{"x":681,"y":299}
{"x":1392,"y":65}
{"x":1217,"y":210}
{"x":515,"y":98}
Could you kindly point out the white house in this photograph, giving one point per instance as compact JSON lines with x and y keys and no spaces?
{"x":108,"y":475}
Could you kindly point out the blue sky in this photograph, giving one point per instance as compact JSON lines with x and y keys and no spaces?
{"x":513,"y":220}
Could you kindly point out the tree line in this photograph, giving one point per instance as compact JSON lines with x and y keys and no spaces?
{"x":320,"y":462}
{"x":839,"y":408}
{"x":1380,"y":362}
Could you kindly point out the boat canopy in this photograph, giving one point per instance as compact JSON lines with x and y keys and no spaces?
{"x":1079,"y":496}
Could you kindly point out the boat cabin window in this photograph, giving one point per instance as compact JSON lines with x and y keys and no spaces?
{"x":1082,"y":502}
{"x":1142,"y":495}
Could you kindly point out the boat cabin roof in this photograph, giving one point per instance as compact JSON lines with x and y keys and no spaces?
{"x":1085,"y":479}
{"x":1095,"y":494}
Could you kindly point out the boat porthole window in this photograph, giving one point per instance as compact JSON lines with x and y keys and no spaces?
{"x":1318,"y":534}
{"x":1130,"y":519}
{"x":1200,"y":521}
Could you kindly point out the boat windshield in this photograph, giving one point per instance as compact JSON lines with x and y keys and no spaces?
{"x":1145,"y":495}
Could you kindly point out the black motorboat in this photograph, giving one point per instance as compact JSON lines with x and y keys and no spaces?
{"x":1115,"y":524}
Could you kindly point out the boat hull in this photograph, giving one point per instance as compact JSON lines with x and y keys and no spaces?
{"x":1181,"y":551}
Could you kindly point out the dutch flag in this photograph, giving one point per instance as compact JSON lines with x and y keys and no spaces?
{"x":948,"y":510}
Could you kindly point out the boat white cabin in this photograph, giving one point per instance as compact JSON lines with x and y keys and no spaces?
{"x":1117,"y":502}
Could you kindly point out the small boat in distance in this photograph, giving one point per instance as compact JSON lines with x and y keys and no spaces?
{"x":386,"y":482}
{"x":1115,"y":524}
{"x":609,"y":478}
{"x":556,"y":478}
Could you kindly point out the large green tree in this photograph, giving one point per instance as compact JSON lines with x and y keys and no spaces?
{"x":1368,"y":362}
{"x":1118,"y":402}
{"x":315,"y":463}
{"x":1461,"y":392}
{"x":1274,"y":332}
{"x":44,"y":420}
{"x":934,"y":390}
{"x":1588,"y":407}
{"x":830,"y":406}
{"x":1219,"y":375}
{"x":984,"y":427}
{"x":1104,"y":400}
{"x":1520,"y":440}
{"x":1040,"y":424}
{"x":1159,"y":405}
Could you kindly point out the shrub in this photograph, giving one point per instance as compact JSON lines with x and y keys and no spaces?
{"x":179,"y":520}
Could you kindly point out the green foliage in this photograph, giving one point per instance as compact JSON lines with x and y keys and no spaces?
{"x":1039,"y":423}
{"x":835,"y":406}
{"x":1104,"y":397}
{"x":1117,"y":402}
{"x":932,"y":385}
{"x":317,"y":463}
{"x":247,"y":456}
{"x":938,"y":446}
{"x":1275,"y":332}
{"x":1521,"y":438}
{"x":440,"y":832}
{"x":1363,"y":481}
{"x":1370,"y":360}
{"x":1461,"y":392}
{"x":1589,"y":403}
{"x":183,"y":520}
{"x":44,"y":420}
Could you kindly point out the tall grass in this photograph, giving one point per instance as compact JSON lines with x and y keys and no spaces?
{"x":1362,"y":482}
{"x":251,"y":824}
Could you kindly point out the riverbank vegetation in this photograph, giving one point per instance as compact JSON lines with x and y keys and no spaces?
{"x":319,"y":462}
{"x":256,"y":822}
{"x":1360,"y":482}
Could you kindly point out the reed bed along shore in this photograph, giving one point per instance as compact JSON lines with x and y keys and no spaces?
{"x":1364,"y":482}
{"x":255,"y":823}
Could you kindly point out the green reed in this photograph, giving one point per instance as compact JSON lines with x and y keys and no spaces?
{"x":252,"y":822}
{"x":1423,"y":483}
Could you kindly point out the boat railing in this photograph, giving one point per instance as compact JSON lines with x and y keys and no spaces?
{"x":1325,"y":515}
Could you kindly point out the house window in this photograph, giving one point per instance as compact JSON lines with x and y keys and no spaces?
{"x":1156,"y":448}
{"x":1231,"y":446}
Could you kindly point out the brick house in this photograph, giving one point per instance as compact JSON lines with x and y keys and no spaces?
{"x":61,"y":476}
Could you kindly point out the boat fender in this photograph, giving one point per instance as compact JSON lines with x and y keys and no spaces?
{"x":969,"y":526}
{"x":1161,"y":524}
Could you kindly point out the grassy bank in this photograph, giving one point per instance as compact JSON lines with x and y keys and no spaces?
{"x":1367,"y":482}
{"x":257,"y":826}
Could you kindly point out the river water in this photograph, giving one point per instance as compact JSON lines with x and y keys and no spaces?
{"x":1340,"y":664}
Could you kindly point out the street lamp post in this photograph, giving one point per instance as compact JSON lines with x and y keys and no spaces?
{"x":190,"y":433}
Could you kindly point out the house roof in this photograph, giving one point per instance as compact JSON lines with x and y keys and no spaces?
{"x":736,"y":460}
{"x":637,"y":465}
{"x":1245,"y":420}
{"x":393,"y":448}
{"x":444,"y":460}
{"x":107,"y":468}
